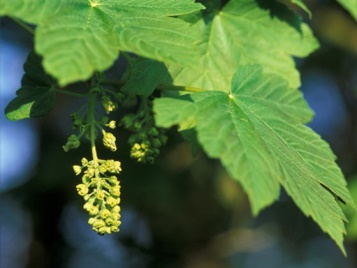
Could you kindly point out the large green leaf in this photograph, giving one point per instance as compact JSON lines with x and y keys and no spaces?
{"x":257,"y":131}
{"x":246,"y":32}
{"x":81,"y":36}
{"x":37,"y":95}
{"x":350,"y":6}
{"x":32,"y":11}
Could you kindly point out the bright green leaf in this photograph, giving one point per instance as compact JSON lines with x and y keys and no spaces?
{"x":37,"y":96}
{"x":350,"y":6}
{"x":83,"y":36}
{"x":257,"y":131}
{"x":247,"y":32}
{"x":174,"y":111}
{"x":181,"y":112}
{"x":145,"y":76}
{"x":34,"y":11}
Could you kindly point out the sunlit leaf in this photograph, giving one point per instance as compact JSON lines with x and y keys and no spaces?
{"x":78,"y":37}
{"x":257,"y":131}
{"x":350,"y":6}
{"x":247,"y":32}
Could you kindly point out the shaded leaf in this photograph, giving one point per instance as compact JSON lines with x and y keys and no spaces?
{"x":145,"y":76}
{"x":37,"y":95}
{"x":302,"y":5}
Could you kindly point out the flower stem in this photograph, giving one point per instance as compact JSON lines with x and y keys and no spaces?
{"x":66,"y":92}
{"x":92,"y":127}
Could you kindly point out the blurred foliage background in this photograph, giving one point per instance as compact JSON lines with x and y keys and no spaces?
{"x":183,"y":211}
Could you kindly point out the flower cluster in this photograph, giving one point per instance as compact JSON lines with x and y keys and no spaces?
{"x":101,"y":193}
{"x":109,"y":140}
{"x":108,"y":105}
{"x":147,"y":138}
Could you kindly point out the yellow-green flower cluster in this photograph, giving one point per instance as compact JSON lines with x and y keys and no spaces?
{"x":109,"y":140}
{"x":101,"y":193}
{"x":108,"y":105}
{"x":140,"y":152}
{"x":147,"y":138}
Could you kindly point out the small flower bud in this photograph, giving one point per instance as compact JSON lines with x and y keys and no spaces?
{"x":77,"y":169}
{"x":105,"y":213}
{"x":153,"y":132}
{"x":100,"y":195}
{"x":111,"y":201}
{"x":72,"y":143}
{"x":116,"y":209}
{"x":93,"y":210}
{"x":98,"y":224}
{"x":114,"y":229}
{"x":108,"y":104}
{"x":102,"y":169}
{"x":113,"y":180}
{"x":115,"y":190}
{"x":111,"y":124}
{"x":82,"y":189}
{"x":109,"y":141}
{"x":84,"y":162}
{"x":91,"y":220}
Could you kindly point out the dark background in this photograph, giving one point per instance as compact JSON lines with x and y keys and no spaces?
{"x":183,"y":211}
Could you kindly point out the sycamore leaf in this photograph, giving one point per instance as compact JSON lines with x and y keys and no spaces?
{"x":351,"y":214}
{"x":79,"y":37}
{"x":246,"y":32}
{"x":145,"y":76}
{"x":350,"y":6}
{"x":257,"y":131}
{"x":37,"y":95}
{"x":181,"y":112}
{"x":302,"y":5}
{"x":34,"y":11}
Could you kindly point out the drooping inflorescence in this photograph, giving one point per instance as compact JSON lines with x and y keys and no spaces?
{"x":101,"y":192}
{"x":100,"y":186}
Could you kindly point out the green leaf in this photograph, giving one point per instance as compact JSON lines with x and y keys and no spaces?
{"x":145,"y":76}
{"x":302,"y":5}
{"x":34,"y":11}
{"x":257,"y":131}
{"x":350,"y":6}
{"x":81,"y":36}
{"x":174,"y":111}
{"x":37,"y":95}
{"x":246,"y":32}
{"x":351,"y":213}
{"x":181,"y":112}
